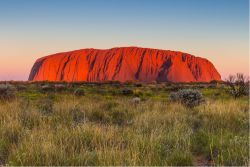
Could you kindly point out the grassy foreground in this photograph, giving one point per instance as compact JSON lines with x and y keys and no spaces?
{"x":104,"y":127}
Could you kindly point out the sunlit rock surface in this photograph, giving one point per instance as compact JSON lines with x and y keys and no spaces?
{"x":123,"y":64}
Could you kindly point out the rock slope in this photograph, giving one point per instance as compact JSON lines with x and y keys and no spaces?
{"x":123,"y":64}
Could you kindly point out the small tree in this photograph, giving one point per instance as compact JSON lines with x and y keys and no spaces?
{"x":238,"y":84}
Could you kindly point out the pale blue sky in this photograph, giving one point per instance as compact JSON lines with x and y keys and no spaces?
{"x":214,"y":29}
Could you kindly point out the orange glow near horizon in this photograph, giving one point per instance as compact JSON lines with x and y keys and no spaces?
{"x":212,"y":29}
{"x":18,"y":63}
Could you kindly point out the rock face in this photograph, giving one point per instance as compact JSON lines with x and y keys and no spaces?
{"x":123,"y":64}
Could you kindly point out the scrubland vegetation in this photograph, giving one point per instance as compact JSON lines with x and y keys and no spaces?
{"x":104,"y":124}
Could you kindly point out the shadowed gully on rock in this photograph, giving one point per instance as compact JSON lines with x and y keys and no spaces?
{"x":123,"y":64}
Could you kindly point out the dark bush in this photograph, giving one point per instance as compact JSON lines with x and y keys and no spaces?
{"x":79,"y":92}
{"x":120,"y":117}
{"x":238,"y":84}
{"x":7,"y":92}
{"x":100,"y":91}
{"x":127,"y":91}
{"x":188,"y":97}
{"x":98,"y":116}
{"x":217,"y":94}
{"x":138,"y":85}
{"x":21,"y":87}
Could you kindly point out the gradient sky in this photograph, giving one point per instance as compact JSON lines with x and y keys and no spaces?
{"x":215,"y":29}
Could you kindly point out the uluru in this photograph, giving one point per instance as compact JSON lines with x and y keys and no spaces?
{"x":123,"y":64}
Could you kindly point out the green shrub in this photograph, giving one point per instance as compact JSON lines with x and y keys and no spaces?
{"x":188,"y":97}
{"x":7,"y":92}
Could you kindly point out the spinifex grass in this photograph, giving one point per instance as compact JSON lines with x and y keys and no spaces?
{"x":108,"y":129}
